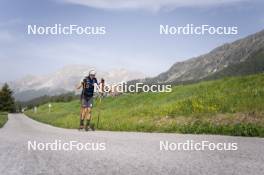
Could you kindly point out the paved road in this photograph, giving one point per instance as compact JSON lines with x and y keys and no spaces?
{"x":125,"y":153}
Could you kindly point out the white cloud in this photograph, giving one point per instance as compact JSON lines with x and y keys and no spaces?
{"x":6,"y":36}
{"x":10,"y":22}
{"x":153,"y":5}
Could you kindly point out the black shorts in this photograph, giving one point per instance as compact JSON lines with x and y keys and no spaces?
{"x":87,"y":102}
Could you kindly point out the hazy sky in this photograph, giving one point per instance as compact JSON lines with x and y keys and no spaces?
{"x":132,"y":40}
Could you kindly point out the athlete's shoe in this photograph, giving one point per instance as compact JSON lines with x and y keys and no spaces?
{"x":81,"y":127}
{"x":87,"y":128}
{"x":92,"y":127}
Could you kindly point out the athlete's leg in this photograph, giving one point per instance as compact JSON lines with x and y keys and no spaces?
{"x":88,"y":118}
{"x":82,"y":113}
{"x":82,"y":116}
{"x":88,"y":114}
{"x":83,"y":110}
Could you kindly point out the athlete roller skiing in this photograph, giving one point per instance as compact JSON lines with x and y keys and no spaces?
{"x":87,"y":97}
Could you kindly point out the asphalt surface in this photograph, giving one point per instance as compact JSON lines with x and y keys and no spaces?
{"x":124,"y":153}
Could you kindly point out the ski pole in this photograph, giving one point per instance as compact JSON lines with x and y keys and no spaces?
{"x":101,"y":95}
{"x":99,"y":111}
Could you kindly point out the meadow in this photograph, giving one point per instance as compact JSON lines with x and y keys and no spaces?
{"x":229,"y":106}
{"x":3,"y":119}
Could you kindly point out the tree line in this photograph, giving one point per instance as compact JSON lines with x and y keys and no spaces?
{"x":7,"y":101}
{"x":66,"y":97}
{"x":9,"y":104}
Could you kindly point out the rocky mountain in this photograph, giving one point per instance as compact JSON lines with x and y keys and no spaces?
{"x":244,"y":56}
{"x":64,"y":80}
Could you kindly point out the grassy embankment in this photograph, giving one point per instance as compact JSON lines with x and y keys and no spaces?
{"x":230,"y":106}
{"x":3,"y":119}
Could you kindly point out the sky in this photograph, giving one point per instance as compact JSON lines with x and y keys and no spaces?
{"x":132,"y":40}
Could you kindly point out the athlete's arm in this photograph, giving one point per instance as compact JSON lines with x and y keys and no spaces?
{"x":79,"y":86}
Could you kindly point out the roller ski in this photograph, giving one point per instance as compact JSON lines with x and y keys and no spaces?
{"x":81,"y":127}
{"x":90,"y":127}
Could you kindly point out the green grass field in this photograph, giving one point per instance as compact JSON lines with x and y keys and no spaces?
{"x":3,"y":119}
{"x":230,"y":106}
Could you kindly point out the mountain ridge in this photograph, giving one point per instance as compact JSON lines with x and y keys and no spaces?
{"x":198,"y":68}
{"x":241,"y":57}
{"x":64,"y":80}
